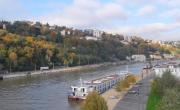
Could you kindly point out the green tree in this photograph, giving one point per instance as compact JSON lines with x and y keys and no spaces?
{"x":58,"y":38}
{"x":94,"y":102}
{"x":170,"y":100}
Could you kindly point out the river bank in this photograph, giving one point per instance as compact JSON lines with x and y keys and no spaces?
{"x":62,"y":70}
{"x":67,"y":69}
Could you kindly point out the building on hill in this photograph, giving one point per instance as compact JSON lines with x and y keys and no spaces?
{"x":4,"y":26}
{"x":91,"y":38}
{"x":66,"y":32}
{"x":30,"y":23}
{"x":128,"y":39}
{"x":97,"y":33}
{"x":52,"y":27}
{"x":168,"y":56}
{"x":88,"y":32}
{"x":155,"y":57}
{"x":140,"y":58}
{"x":94,"y":33}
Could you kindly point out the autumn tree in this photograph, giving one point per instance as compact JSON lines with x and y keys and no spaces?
{"x":12,"y":58}
{"x":123,"y":84}
{"x":94,"y":102}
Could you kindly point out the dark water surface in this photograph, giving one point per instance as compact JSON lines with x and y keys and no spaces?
{"x":49,"y":92}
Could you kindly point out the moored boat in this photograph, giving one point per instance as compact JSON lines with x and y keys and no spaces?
{"x":102,"y":84}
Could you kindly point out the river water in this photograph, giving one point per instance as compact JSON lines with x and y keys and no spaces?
{"x":49,"y":92}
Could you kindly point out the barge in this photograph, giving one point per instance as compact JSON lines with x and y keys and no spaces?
{"x":102,"y":84}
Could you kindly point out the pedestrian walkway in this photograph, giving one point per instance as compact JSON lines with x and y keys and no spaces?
{"x":137,"y":96}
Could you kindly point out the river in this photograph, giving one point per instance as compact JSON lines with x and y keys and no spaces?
{"x":49,"y":92}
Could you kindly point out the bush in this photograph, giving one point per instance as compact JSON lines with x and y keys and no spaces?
{"x":123,"y":84}
{"x":94,"y":102}
{"x":167,"y":81}
{"x":170,"y":100}
{"x":131,"y":79}
{"x":165,"y":93}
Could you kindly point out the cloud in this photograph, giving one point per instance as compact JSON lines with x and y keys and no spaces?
{"x":147,"y":11}
{"x":156,"y":19}
{"x":169,"y":3}
{"x":160,"y":31}
{"x":83,"y":13}
{"x":172,"y":13}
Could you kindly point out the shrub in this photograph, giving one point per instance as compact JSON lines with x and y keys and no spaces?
{"x":167,"y":81}
{"x":123,"y":84}
{"x":94,"y":102}
{"x":131,"y":79}
{"x":170,"y":100}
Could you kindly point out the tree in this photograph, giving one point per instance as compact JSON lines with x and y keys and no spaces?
{"x":58,"y":38}
{"x":123,"y":84}
{"x":71,"y":57}
{"x":170,"y":100}
{"x":94,"y":102}
{"x":12,"y":57}
{"x":49,"y":54}
{"x":131,"y":79}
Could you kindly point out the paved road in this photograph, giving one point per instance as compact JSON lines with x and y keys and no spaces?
{"x":136,"y":101}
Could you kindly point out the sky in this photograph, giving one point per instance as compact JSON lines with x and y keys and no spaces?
{"x":150,"y":19}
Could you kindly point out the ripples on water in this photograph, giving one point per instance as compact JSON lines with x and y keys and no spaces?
{"x":49,"y":92}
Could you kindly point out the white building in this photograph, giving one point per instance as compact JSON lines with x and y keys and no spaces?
{"x":174,"y":69}
{"x":128,"y":39}
{"x":140,"y":58}
{"x":97,"y":33}
{"x":94,"y":33}
{"x":91,"y":38}
{"x":168,"y":56}
{"x":4,"y":26}
{"x":156,"y":57}
{"x":52,"y":27}
{"x":65,"y":32}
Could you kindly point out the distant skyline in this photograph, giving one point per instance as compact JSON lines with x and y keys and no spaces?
{"x":150,"y":19}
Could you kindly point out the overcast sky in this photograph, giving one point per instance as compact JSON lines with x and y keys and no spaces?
{"x":152,"y":19}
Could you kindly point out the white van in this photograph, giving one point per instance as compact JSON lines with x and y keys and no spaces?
{"x":44,"y":68}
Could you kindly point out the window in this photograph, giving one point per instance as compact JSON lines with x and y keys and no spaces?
{"x":82,"y":90}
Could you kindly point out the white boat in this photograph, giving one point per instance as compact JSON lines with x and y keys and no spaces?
{"x":100,"y":85}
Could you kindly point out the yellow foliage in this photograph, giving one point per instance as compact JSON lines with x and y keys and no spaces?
{"x":50,"y":53}
{"x":7,"y":38}
{"x":123,"y":84}
{"x":12,"y":56}
{"x":29,"y":51}
{"x":30,"y":39}
{"x":94,"y":102}
{"x":131,"y":79}
{"x":44,"y":44}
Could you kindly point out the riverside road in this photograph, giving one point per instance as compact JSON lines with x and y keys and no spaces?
{"x":137,"y":96}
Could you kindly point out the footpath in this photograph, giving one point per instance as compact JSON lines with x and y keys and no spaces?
{"x":136,"y":101}
{"x":127,"y":100}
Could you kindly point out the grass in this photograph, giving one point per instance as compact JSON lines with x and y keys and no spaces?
{"x":153,"y":101}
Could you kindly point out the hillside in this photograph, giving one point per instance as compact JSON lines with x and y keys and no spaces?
{"x":22,"y":49}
